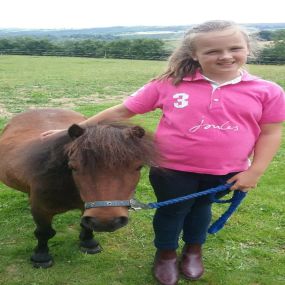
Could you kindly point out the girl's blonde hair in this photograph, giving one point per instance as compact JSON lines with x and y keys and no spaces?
{"x":181,"y":63}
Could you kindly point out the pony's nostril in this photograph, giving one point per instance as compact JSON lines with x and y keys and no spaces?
{"x":103,"y":226}
{"x":87,"y":222}
{"x":121,"y":221}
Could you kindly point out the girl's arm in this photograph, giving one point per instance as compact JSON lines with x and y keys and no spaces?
{"x":265,"y":148}
{"x":116,"y":113}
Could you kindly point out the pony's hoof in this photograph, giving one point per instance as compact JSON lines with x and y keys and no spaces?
{"x":93,"y":250}
{"x":90,"y":246}
{"x":41,"y":260}
{"x":45,"y":264}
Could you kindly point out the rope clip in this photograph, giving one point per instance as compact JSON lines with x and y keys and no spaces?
{"x":136,"y":205}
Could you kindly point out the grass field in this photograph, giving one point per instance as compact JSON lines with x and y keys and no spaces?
{"x":250,"y":250}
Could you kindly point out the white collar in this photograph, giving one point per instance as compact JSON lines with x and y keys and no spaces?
{"x":216,"y":84}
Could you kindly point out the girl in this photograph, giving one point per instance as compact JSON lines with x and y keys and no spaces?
{"x":215,"y":116}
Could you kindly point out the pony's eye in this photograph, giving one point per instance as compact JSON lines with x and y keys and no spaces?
{"x":72,"y":167}
{"x":139,"y":168}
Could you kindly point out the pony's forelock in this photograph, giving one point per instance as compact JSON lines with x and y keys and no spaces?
{"x":113,"y":145}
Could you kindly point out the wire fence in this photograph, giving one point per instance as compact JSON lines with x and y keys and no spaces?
{"x":274,"y":59}
{"x":123,"y":51}
{"x":101,"y":54}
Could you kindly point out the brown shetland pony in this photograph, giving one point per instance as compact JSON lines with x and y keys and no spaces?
{"x":63,"y":171}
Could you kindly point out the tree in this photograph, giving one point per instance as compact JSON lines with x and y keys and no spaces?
{"x":118,"y":49}
{"x":273,"y":54}
{"x":265,"y":35}
{"x":148,"y":49}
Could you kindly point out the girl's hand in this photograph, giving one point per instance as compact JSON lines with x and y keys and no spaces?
{"x":46,"y":134}
{"x":244,"y":181}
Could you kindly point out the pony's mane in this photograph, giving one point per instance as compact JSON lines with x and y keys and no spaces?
{"x":113,"y":145}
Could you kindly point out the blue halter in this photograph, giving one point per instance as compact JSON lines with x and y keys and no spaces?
{"x":236,"y":199}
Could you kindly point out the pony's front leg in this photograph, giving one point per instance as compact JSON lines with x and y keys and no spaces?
{"x":44,"y":231}
{"x":87,"y":242}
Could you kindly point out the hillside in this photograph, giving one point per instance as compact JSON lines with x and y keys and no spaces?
{"x":161,"y":32}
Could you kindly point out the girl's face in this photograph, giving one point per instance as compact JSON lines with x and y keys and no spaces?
{"x":221,"y":53}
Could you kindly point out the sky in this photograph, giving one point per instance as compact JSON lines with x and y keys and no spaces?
{"x":65,"y":14}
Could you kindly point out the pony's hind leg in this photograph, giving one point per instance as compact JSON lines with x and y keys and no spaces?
{"x":87,"y":242}
{"x":44,"y":231}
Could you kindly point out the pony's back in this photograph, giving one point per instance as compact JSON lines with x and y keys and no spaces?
{"x":21,"y":140}
{"x":30,"y":124}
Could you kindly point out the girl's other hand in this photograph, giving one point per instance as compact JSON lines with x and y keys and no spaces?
{"x":244,"y":181}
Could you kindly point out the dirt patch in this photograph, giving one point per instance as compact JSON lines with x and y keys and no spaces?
{"x":90,"y":99}
{"x":4,"y":112}
{"x":66,"y":103}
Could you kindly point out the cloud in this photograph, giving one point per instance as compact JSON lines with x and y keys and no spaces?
{"x":90,"y":13}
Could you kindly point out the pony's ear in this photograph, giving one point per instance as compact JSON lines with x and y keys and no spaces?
{"x":75,"y":131}
{"x":135,"y":131}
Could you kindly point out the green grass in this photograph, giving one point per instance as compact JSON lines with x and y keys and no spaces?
{"x":250,"y":250}
{"x":55,"y":81}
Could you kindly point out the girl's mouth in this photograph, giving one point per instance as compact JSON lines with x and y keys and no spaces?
{"x":226,"y":63}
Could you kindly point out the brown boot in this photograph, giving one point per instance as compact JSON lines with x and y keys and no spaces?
{"x":191,"y":262}
{"x":165,"y":267}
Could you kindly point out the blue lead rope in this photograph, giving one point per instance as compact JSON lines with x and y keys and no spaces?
{"x":235,"y":201}
{"x":237,"y":198}
{"x":191,"y":196}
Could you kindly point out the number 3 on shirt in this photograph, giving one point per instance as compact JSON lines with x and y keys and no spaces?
{"x":181,"y":100}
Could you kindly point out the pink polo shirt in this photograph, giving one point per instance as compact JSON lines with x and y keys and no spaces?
{"x":205,"y":129}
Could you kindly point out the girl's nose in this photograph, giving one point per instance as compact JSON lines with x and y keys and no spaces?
{"x":225,"y":55}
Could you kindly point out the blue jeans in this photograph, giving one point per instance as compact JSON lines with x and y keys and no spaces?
{"x":191,"y":217}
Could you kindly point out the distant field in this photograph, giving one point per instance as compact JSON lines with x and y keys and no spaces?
{"x":250,"y":250}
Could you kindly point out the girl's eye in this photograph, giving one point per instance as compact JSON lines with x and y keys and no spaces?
{"x":236,"y":48}
{"x":212,"y":52}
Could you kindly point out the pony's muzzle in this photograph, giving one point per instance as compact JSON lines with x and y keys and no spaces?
{"x":98,"y":225}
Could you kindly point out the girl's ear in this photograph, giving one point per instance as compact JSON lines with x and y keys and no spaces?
{"x":194,"y":57}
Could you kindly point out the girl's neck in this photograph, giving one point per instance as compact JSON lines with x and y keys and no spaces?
{"x":224,"y":78}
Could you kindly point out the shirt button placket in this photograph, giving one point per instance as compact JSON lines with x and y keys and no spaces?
{"x":216,"y":99}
